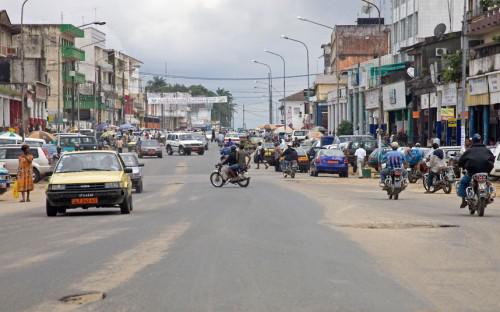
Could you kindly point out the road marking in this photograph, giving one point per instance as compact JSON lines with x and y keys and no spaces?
{"x":33,"y":260}
{"x":123,"y":267}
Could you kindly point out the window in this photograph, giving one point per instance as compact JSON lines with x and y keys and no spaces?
{"x":2,"y":153}
{"x":415,"y":27}
{"x":403,"y":29}
{"x":410,"y":26}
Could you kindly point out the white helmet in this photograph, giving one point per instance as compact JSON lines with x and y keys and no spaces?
{"x":395,"y":145}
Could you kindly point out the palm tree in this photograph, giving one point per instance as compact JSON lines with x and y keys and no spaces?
{"x":223,"y":112}
{"x":157,"y":84}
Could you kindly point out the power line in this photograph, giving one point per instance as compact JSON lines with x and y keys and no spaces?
{"x":223,"y":78}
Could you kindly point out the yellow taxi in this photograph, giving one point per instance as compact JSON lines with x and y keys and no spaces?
{"x":89,"y":179}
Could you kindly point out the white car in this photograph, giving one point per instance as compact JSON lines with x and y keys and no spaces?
{"x":183,"y":144}
{"x":300,"y":135}
{"x":495,"y":172}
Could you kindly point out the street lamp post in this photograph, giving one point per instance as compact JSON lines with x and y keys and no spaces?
{"x":308,"y":73}
{"x":270,"y":89}
{"x":380,"y":104}
{"x":284,"y":84}
{"x":23,"y":87}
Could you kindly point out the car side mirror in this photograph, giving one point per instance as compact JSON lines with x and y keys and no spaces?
{"x":141,"y":165}
{"x":128,"y":170}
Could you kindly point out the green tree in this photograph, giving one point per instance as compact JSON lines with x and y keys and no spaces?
{"x":156,"y":85}
{"x":223,"y":112}
{"x":345,"y":128}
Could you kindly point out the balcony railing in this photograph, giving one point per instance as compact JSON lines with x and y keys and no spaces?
{"x":79,"y":77}
{"x":72,"y":30}
{"x":84,"y":102}
{"x":483,"y":21}
{"x":484,"y":65}
{"x":72,"y":53}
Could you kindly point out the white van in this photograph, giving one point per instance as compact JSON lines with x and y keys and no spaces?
{"x":300,"y":135}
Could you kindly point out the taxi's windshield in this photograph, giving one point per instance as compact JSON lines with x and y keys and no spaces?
{"x":185,"y":137}
{"x":88,"y":162}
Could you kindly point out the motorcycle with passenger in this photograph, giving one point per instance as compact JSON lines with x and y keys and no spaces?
{"x":219,"y":178}
{"x":442,"y":181}
{"x":289,"y":168}
{"x":395,"y":183}
{"x":479,"y":194}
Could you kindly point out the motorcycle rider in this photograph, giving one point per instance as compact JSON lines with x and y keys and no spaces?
{"x":232,"y":162}
{"x":477,"y":159}
{"x":414,"y":156}
{"x":393,"y":159}
{"x":229,"y":143}
{"x":436,"y":164}
{"x":243,"y":160}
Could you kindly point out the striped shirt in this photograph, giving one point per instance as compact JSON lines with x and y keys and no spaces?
{"x":394,"y":159}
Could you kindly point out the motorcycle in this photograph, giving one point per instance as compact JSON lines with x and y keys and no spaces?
{"x":395,"y":183}
{"x":414,"y":173}
{"x":218,"y":179}
{"x":444,"y":181}
{"x":479,"y":194}
{"x":289,"y":169}
{"x":4,"y":179}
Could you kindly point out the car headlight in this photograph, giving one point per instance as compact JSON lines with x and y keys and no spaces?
{"x":57,"y":187}
{"x":135,"y":170}
{"x":112,"y":185}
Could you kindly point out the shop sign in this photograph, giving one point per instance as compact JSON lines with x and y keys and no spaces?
{"x":372,"y":99}
{"x":449,"y":95}
{"x":424,"y":101}
{"x":433,"y":100}
{"x":416,"y":115}
{"x":494,"y":84}
{"x":478,"y":86}
{"x":447,"y":113}
{"x":452,"y":123}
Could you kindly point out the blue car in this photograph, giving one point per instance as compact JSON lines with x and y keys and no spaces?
{"x":330,"y":161}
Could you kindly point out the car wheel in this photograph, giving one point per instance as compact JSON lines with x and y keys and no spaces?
{"x":36,"y":175}
{"x":169,"y":150}
{"x":161,"y":155}
{"x":125,"y":206}
{"x":139,"y":187}
{"x":182,"y":151}
{"x":188,"y":153}
{"x":201,"y":152}
{"x":139,"y":155}
{"x":50,"y":210}
{"x":61,"y":210}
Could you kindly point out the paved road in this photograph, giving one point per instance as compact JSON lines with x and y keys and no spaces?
{"x":190,"y":247}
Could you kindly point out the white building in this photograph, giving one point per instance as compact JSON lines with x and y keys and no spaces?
{"x":414,"y":20}
{"x":294,"y":110}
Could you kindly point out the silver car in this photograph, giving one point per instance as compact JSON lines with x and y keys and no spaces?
{"x":9,"y":154}
{"x":131,"y":161}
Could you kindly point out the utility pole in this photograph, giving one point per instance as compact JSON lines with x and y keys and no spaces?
{"x":73,"y":74}
{"x":59,"y":78}
{"x":244,"y":125}
{"x":465,"y":50}
{"x":23,"y":87}
{"x":123,"y":97}
{"x":270,"y":98}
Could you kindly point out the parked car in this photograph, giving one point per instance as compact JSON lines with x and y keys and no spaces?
{"x":70,"y":143}
{"x":149,"y":148}
{"x":235,"y":138}
{"x":89,"y":179}
{"x":183,"y":144}
{"x":9,"y":154}
{"x":131,"y":161}
{"x":34,"y":142}
{"x":4,"y":179}
{"x":350,"y":148}
{"x":269,"y":153}
{"x":330,"y":161}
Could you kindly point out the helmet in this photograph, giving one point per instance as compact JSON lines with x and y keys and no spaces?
{"x":417,"y":145}
{"x":394,"y":145}
{"x":476,"y":138}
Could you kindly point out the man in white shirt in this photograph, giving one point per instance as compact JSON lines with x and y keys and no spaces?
{"x":360,"y":154}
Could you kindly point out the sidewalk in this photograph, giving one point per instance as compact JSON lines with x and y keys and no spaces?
{"x":10,"y":205}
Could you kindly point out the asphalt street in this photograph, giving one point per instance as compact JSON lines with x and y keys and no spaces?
{"x":303,"y":245}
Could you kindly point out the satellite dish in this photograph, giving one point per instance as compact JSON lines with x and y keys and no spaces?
{"x":440,"y":30}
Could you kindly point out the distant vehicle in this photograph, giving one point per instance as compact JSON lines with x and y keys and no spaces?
{"x":34,"y":142}
{"x":495,"y":172}
{"x":130,"y":160}
{"x":89,"y":179}
{"x":300,"y":135}
{"x":303,"y":161}
{"x":329,"y":161}
{"x":183,"y":144}
{"x":4,"y":179}
{"x":9,"y":154}
{"x":70,"y":143}
{"x":149,"y":148}
{"x":354,"y":138}
{"x":87,"y":132}
{"x":350,"y":148}
{"x":235,"y":138}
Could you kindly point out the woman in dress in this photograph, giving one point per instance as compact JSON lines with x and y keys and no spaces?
{"x":25,"y":173}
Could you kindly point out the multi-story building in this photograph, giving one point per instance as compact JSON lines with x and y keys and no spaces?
{"x":483,"y":98}
{"x":294,"y":110}
{"x":414,"y":20}
{"x":10,"y":95}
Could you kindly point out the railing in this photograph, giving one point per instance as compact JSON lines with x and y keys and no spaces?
{"x":484,"y":65}
{"x":73,"y":53}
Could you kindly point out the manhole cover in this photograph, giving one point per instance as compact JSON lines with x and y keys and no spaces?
{"x":397,"y":226}
{"x":83,"y":298}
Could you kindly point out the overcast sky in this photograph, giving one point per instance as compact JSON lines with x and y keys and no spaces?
{"x":207,"y":38}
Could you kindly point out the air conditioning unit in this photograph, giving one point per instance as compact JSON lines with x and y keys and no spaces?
{"x":440,"y":52}
{"x":11,"y":52}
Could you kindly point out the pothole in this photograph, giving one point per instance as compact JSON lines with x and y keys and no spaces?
{"x":397,"y":226}
{"x":83,"y":298}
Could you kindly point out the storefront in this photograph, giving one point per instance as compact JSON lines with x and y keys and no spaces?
{"x":372,"y":101}
{"x":478,"y":103}
{"x":494,"y":122}
{"x":447,"y":123}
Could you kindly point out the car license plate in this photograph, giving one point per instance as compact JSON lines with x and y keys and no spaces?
{"x":85,"y":201}
{"x":333,"y":162}
{"x":152,"y":152}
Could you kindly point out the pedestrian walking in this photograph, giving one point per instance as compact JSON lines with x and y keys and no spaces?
{"x":213,"y":135}
{"x":119,"y":145}
{"x":259,"y":155}
{"x":360,"y":154}
{"x":25,"y":173}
